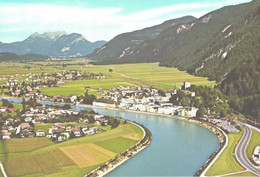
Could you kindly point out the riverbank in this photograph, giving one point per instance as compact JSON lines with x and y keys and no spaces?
{"x":123,"y":157}
{"x":222,"y":137}
{"x":198,"y":122}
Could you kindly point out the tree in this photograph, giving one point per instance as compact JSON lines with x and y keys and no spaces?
{"x":88,"y":99}
{"x":23,"y":103}
{"x":67,"y":106}
{"x":91,"y":119}
{"x":7,"y":103}
{"x":200,"y":113}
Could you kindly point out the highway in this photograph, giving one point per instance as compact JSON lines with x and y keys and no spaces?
{"x":240,"y":151}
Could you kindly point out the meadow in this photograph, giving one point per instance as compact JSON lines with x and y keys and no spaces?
{"x":141,"y":74}
{"x":254,"y":141}
{"x":75,"y":157}
{"x":227,"y":162}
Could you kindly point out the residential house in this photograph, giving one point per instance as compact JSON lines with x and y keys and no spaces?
{"x":41,"y":133}
{"x":6,"y":135}
{"x":76,"y":132}
{"x":186,"y":85}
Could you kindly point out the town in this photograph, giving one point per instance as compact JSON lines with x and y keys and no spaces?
{"x":28,"y":84}
{"x":59,"y":120}
{"x":132,"y":98}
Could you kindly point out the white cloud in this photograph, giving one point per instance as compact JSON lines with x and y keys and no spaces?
{"x":99,"y":23}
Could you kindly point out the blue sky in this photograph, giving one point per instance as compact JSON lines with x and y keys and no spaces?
{"x":96,"y":19}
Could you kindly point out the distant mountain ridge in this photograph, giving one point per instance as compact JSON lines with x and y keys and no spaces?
{"x":5,"y":56}
{"x":56,"y":44}
{"x":123,"y":45}
{"x":210,"y":46}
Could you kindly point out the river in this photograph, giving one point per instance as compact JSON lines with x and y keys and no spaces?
{"x":178,"y":148}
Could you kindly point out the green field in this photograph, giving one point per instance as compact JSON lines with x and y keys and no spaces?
{"x":75,"y":157}
{"x":254,"y":141}
{"x":113,"y":144}
{"x":227,"y":163}
{"x":243,"y":174}
{"x":141,"y":74}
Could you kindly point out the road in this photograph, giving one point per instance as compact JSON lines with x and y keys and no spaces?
{"x":240,"y":151}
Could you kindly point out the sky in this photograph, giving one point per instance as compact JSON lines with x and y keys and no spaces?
{"x":95,"y":19}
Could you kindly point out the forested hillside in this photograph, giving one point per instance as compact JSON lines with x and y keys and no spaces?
{"x":212,"y":45}
{"x":242,"y":86}
{"x":5,"y":56}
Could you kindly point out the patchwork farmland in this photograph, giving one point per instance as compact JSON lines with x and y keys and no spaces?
{"x":74,"y":157}
{"x":141,"y":74}
{"x":149,"y":74}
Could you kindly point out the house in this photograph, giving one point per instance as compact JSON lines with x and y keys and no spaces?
{"x":66,"y":134}
{"x":102,"y":122}
{"x":186,"y":85}
{"x":10,"y":110}
{"x":3,"y":109}
{"x":9,"y":121}
{"x":73,"y":98}
{"x":28,"y":119}
{"x":68,"y":128}
{"x":76,"y":132}
{"x":26,"y":133}
{"x":181,"y":112}
{"x":40,"y":133}
{"x":25,"y":126}
{"x":89,"y":131}
{"x":191,"y":112}
{"x":98,"y":117}
{"x":83,"y":120}
{"x":6,"y":135}
{"x":61,"y":138}
{"x":193,"y":94}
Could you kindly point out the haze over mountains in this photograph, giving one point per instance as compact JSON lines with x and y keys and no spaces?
{"x":57,"y":44}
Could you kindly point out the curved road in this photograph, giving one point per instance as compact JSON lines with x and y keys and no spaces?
{"x":240,"y":151}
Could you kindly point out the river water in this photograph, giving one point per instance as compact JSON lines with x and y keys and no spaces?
{"x":178,"y":148}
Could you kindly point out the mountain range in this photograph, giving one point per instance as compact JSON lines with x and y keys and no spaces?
{"x":211,"y":46}
{"x":56,"y":44}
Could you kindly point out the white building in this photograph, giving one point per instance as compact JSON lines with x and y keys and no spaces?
{"x":186,"y":85}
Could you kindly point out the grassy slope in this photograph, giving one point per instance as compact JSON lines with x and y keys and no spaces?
{"x":254,"y":141}
{"x":227,"y":163}
{"x":62,"y":165}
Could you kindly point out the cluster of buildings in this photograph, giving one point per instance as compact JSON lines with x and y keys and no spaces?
{"x":32,"y":82}
{"x":143,"y":99}
{"x":24,"y":126}
{"x":59,"y":133}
